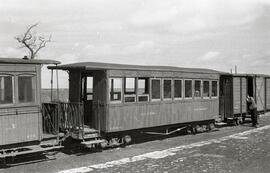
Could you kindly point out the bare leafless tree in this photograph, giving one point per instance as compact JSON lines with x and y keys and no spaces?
{"x":31,"y":41}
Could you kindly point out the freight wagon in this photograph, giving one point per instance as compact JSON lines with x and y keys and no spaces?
{"x":234,"y":89}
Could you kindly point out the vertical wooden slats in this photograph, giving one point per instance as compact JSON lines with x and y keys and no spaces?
{"x":244,"y":95}
{"x":260,"y":93}
{"x":236,"y":95}
{"x":267,"y":93}
{"x":21,"y":127}
{"x":134,"y":116}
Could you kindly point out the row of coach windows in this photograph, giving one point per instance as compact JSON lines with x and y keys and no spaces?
{"x":137,"y":89}
{"x":25,"y":89}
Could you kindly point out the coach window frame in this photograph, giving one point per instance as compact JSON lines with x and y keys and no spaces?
{"x":194,"y":89}
{"x":132,"y":94}
{"x":34,"y":83}
{"x":163,"y":89}
{"x":13,"y":89}
{"x":182,"y":88}
{"x":184,"y":96}
{"x":217,"y":92}
{"x":160,"y":89}
{"x":121,"y":92}
{"x":146,"y":88}
{"x":209,"y":81}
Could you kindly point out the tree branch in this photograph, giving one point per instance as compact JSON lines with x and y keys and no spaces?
{"x":33,"y":43}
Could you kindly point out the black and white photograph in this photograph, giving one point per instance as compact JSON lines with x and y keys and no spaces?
{"x":134,"y":86}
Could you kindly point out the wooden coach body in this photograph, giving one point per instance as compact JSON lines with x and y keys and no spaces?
{"x":128,"y":97}
{"x":20,"y":103}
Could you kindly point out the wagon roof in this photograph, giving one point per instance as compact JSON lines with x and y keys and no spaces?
{"x":27,"y":61}
{"x":110,"y":66}
{"x":248,"y":75}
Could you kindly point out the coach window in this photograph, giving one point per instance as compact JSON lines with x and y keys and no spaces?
{"x":6,"y":90}
{"x":26,"y":89}
{"x":205,"y":88}
{"x":130,"y":91}
{"x":155,"y":87}
{"x":115,"y":89}
{"x":87,"y":88}
{"x":143,"y":89}
{"x":214,"y":89}
{"x":177,"y":89}
{"x":197,"y":87}
{"x":188,"y":88}
{"x":167,"y":89}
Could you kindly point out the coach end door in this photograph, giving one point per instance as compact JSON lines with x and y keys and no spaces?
{"x":87,"y":99}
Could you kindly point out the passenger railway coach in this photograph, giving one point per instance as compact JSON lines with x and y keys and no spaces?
{"x":120,"y":100}
{"x":20,"y":105}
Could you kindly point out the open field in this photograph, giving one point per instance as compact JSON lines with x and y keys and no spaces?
{"x":46,"y":94}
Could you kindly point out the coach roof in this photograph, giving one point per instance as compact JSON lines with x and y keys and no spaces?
{"x":110,"y":66}
{"x":27,"y":61}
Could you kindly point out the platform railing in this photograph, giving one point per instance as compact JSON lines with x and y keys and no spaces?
{"x":50,"y":118}
{"x":66,"y":117}
{"x":71,"y":117}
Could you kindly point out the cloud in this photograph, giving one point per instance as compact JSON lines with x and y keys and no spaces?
{"x":10,"y":52}
{"x":68,"y":58}
{"x":140,"y":47}
{"x":210,"y":55}
{"x":188,"y":16}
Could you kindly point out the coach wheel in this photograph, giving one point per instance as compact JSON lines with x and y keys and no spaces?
{"x":236,"y":121}
{"x":240,"y":120}
{"x":243,"y":119}
{"x":189,"y":130}
{"x":104,"y":144}
{"x":211,"y":126}
{"x":198,"y":129}
{"x":127,"y":139}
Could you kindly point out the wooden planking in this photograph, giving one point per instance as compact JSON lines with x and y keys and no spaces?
{"x":267,"y":93}
{"x":131,"y":73}
{"x":236,"y":95}
{"x":134,"y":116}
{"x":260,"y":93}
{"x":17,"y":68}
{"x":21,"y":127}
{"x":244,"y":95}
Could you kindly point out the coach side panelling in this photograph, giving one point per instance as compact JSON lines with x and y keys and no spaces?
{"x":128,"y":116}
{"x":135,"y":116}
{"x":21,"y":121}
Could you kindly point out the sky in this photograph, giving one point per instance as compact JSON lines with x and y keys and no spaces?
{"x":216,"y":34}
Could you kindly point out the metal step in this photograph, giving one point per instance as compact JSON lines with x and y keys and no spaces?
{"x":91,"y":135}
{"x":89,"y":130}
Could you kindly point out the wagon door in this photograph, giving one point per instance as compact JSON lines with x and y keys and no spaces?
{"x":260,"y":93}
